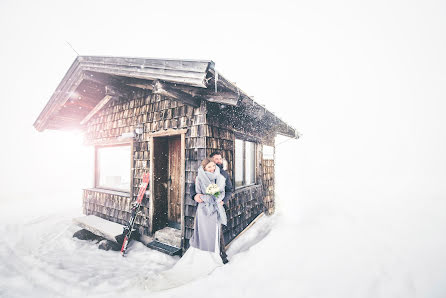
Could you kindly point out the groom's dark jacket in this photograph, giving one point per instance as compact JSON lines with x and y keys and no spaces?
{"x":228,"y":187}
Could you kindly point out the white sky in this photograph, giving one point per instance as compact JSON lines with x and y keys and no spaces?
{"x":363,"y":82}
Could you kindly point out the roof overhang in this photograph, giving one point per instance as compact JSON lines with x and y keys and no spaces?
{"x":92,"y":81}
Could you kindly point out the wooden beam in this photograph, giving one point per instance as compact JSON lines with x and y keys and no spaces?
{"x":96,"y":109}
{"x":135,"y":82}
{"x":121,"y":90}
{"x":141,"y":86}
{"x":227,"y":98}
{"x":167,"y":90}
{"x":168,"y":132}
{"x":112,"y":86}
{"x":287,"y":131}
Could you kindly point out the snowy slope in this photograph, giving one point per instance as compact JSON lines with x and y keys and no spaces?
{"x":318,"y":249}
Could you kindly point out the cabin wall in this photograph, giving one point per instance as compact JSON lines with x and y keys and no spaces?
{"x":221,"y":138}
{"x":209,"y":127}
{"x":157,"y":113}
{"x":113,"y":207}
{"x":223,"y":126}
{"x":268,"y":186}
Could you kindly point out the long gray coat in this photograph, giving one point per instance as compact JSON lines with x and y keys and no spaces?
{"x":204,"y":229}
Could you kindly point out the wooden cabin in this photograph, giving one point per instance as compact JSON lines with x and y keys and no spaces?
{"x":165,"y":116}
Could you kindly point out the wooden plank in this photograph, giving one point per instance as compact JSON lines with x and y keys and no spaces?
{"x":149,"y":74}
{"x":141,"y":86}
{"x":182,"y":184}
{"x":160,"y":63}
{"x":108,"y":84}
{"x":99,"y":226}
{"x":167,"y":90}
{"x":227,"y":98}
{"x":168,"y":132}
{"x":112,"y":142}
{"x":96,"y":109}
{"x":174,"y":169}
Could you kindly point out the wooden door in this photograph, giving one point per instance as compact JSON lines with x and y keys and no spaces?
{"x":174,"y":191}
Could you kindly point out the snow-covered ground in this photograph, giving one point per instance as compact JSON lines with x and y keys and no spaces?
{"x":320,"y":248}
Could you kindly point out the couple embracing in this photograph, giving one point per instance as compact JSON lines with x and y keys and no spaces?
{"x":212,"y":191}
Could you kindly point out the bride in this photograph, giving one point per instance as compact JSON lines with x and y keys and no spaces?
{"x":203,"y":255}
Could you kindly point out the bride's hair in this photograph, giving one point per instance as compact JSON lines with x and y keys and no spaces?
{"x":205,"y":162}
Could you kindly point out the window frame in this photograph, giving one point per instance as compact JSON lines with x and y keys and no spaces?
{"x":97,"y":170}
{"x":244,"y":169}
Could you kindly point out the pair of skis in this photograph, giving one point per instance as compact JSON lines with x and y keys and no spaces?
{"x":129,"y":228}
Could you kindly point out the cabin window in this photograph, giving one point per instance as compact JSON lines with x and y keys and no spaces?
{"x":113,"y":167}
{"x":245,"y":163}
{"x":268,"y":152}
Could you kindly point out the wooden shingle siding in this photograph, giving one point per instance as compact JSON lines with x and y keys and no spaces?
{"x":156,"y":113}
{"x":268,"y":185}
{"x":111,"y":207}
{"x":248,"y":202}
{"x":209,"y":128}
{"x":246,"y":205}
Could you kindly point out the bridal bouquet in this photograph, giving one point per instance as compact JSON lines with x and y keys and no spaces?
{"x":213,"y":189}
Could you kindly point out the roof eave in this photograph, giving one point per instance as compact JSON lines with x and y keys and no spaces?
{"x":289,"y":132}
{"x":183,"y":72}
{"x":42,"y":119}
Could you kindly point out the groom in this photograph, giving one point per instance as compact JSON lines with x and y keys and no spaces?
{"x":216,"y":157}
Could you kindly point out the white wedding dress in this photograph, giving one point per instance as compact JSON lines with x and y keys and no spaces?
{"x":194,"y":264}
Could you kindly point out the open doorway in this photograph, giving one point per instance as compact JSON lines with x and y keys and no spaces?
{"x":167,"y":182}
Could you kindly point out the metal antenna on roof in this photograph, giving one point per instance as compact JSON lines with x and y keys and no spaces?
{"x":72,"y":48}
